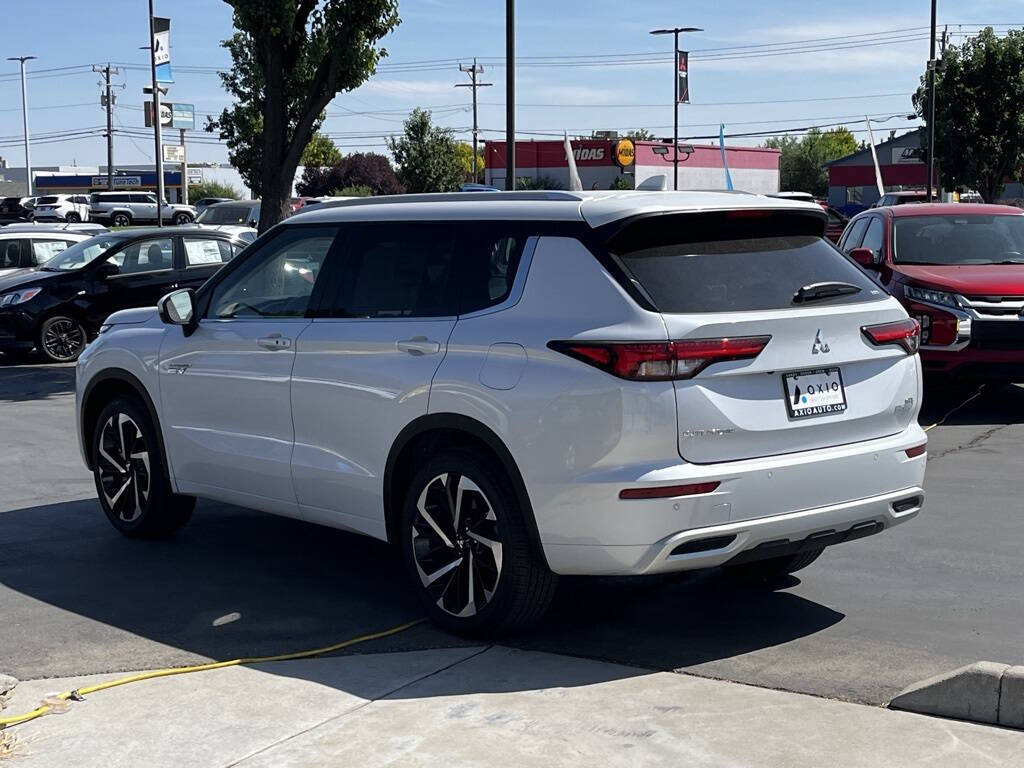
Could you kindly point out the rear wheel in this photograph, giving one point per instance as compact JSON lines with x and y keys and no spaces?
{"x":61,"y":339}
{"x":131,"y":479}
{"x":121,"y":220}
{"x":72,"y":218}
{"x":182,"y":218}
{"x":467,"y":550}
{"x":775,"y":567}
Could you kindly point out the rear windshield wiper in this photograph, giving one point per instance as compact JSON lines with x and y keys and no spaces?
{"x":818,"y":291}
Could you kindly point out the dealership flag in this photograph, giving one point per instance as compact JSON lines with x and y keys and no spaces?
{"x":575,"y":184}
{"x":162,"y":49}
{"x":874,"y":157}
{"x":725,"y":164}
{"x":683,"y":67}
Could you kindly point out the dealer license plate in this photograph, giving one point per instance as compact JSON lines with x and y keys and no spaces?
{"x":814,"y":393}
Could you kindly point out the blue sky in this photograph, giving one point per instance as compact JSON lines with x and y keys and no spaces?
{"x":842,"y":79}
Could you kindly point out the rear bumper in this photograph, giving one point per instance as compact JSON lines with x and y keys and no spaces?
{"x":835,"y":494}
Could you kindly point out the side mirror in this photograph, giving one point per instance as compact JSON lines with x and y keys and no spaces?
{"x":107,"y":269}
{"x":177,"y":308}
{"x":864,"y":256}
{"x":253,"y":223}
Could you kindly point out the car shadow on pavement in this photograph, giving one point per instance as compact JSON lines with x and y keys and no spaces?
{"x":79,"y":598}
{"x":22,"y":383}
{"x":970,"y":404}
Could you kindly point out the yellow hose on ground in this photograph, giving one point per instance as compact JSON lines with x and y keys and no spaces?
{"x":79,"y":692}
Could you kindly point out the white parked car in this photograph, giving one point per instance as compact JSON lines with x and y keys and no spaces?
{"x":512,"y":386}
{"x":68,"y":208}
{"x":31,"y":247}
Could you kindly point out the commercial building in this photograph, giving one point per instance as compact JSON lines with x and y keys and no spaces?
{"x":600,"y":165}
{"x":851,"y":179}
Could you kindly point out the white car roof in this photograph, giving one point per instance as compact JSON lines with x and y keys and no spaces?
{"x":595,"y":208}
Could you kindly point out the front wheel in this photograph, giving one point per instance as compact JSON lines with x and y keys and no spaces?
{"x":467,"y":549}
{"x":182,"y":218}
{"x":130,"y":476}
{"x":61,"y":339}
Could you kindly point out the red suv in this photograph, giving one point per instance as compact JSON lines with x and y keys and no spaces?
{"x":959,"y":270}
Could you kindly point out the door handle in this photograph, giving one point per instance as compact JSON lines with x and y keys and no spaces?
{"x":419,"y":345}
{"x":274,"y":341}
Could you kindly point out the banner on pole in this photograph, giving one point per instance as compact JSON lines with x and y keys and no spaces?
{"x":683,"y":70}
{"x":162,"y":49}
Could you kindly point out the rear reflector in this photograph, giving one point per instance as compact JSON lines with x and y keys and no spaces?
{"x":904,"y":333}
{"x":916,"y":451}
{"x":668,"y":491}
{"x":661,"y":361}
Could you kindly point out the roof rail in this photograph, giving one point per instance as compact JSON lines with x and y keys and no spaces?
{"x":436,"y":197}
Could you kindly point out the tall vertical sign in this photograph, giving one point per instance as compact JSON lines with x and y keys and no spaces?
{"x":162,"y":49}
{"x":683,"y":72}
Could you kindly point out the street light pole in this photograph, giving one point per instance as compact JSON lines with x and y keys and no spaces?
{"x":674,"y":31}
{"x":931,"y":107}
{"x":24,"y":120}
{"x":157,"y":138}
{"x":510,"y":94}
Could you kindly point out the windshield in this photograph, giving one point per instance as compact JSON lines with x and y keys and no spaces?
{"x":959,"y":239}
{"x":80,"y":254}
{"x":228,"y":214}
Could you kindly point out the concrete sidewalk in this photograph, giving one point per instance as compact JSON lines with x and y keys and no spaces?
{"x":479,"y":706}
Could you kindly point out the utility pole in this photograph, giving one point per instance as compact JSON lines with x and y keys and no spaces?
{"x":108,"y":102}
{"x":24,"y":120}
{"x":473,"y":71}
{"x":674,"y":31}
{"x":184,"y":170}
{"x":157,"y":138}
{"x":931,"y":106}
{"x":510,"y":94}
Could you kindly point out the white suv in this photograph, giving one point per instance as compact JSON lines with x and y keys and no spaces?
{"x":69,"y":208}
{"x":511,"y":386}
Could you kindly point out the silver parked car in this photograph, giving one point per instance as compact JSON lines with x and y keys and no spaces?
{"x":122,"y":209}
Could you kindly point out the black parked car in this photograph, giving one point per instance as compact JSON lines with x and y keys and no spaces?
{"x":58,"y":307}
{"x":16,"y":209}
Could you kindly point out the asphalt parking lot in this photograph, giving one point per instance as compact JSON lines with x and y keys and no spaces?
{"x":861,"y":623}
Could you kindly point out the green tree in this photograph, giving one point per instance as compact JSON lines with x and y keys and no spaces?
{"x":321,"y":152}
{"x":427,"y":156}
{"x":465,"y":154}
{"x":290,"y":58}
{"x":358,"y":190}
{"x":979,"y":112}
{"x":801,"y":161}
{"x":640,"y":134}
{"x":212,"y":189}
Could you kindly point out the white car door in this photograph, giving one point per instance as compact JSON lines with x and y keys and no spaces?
{"x":225,"y":389}
{"x":364,"y":365}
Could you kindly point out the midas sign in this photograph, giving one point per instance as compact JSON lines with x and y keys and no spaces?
{"x":625,"y":153}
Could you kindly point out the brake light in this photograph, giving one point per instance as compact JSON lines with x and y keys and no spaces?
{"x":668,"y":491}
{"x":661,"y":361}
{"x":904,"y":333}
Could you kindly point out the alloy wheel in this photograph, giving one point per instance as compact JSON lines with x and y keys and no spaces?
{"x":456,"y":544}
{"x":63,"y":339}
{"x":123,"y":467}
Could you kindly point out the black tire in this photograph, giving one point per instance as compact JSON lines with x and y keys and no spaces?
{"x":522,"y":588}
{"x":182,"y":218}
{"x":130,"y":475}
{"x":775,"y":567}
{"x":72,"y":218}
{"x":121,"y":220}
{"x":61,"y":339}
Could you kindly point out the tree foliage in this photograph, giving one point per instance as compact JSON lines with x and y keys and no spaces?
{"x":541,"y":182}
{"x":358,"y":170}
{"x":427,"y":155}
{"x":640,"y":134}
{"x":290,"y":58}
{"x":212,"y":189}
{"x":800,"y":166}
{"x":465,"y":155}
{"x":320,"y":152}
{"x":979,"y":112}
{"x":358,"y":190}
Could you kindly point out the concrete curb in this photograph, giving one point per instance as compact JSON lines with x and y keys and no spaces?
{"x":983,"y":692}
{"x":7,"y":684}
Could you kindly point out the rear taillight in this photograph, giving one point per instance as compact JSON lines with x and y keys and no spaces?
{"x":904,"y":333}
{"x":661,"y":361}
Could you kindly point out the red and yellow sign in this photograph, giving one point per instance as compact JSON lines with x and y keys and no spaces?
{"x":625,"y":153}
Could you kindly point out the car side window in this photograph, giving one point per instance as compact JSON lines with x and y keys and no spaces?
{"x":203,"y":251}
{"x":873,"y":237}
{"x":144,"y":256}
{"x":396,"y":269}
{"x":489,"y":255}
{"x":278,"y":279}
{"x":854,"y":235}
{"x":44,"y":250}
{"x":14,"y":254}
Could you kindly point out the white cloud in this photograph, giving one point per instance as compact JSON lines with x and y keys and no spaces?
{"x":574,"y":94}
{"x":403,"y":88}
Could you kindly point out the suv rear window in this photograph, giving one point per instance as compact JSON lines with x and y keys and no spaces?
{"x":48,"y":200}
{"x":738,"y":262}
